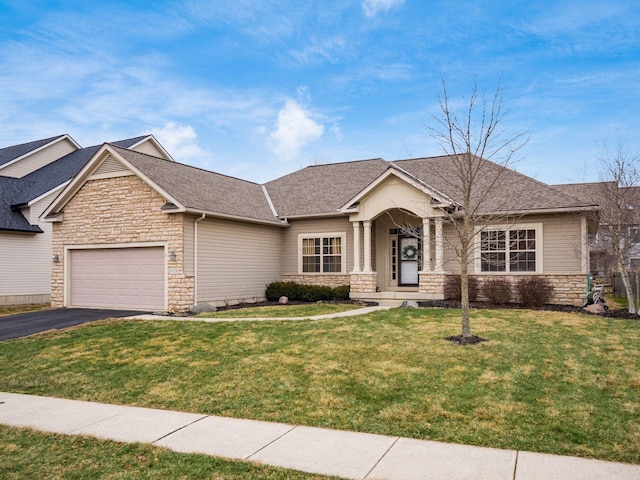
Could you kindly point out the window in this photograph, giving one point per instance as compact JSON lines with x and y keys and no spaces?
{"x":634,"y":235}
{"x":508,"y":250}
{"x":322,"y":253}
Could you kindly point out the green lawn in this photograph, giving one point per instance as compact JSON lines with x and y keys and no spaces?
{"x":280,"y":311}
{"x":545,"y":381}
{"x":15,"y":309}
{"x":36,"y":455}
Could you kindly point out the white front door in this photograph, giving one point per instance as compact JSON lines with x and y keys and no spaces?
{"x":409,"y":261}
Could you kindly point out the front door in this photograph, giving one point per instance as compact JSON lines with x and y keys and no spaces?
{"x":409,"y":261}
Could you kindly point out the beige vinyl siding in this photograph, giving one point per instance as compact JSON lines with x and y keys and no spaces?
{"x":189,"y":245}
{"x":149,"y":148}
{"x":313,"y":226}
{"x":38,"y":160}
{"x":25,"y":258}
{"x":451,"y":259}
{"x":562,"y":243}
{"x":236,"y":260}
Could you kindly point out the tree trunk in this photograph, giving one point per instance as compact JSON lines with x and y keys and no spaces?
{"x":624,"y":276}
{"x":464,"y":279}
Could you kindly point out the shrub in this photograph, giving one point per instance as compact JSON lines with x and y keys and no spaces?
{"x":453,"y":291}
{"x":497,"y":291}
{"x":533,"y":291}
{"x":341,"y":293}
{"x":297,"y":292}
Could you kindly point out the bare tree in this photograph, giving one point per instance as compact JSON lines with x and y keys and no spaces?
{"x":479,"y":148}
{"x":618,"y":197}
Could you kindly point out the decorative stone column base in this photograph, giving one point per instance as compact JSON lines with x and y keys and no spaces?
{"x":432,"y":284}
{"x":364,"y":282}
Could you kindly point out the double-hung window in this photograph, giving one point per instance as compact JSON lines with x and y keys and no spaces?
{"x":322,"y":253}
{"x":510,"y":250}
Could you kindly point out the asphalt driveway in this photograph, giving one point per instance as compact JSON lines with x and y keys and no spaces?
{"x":23,"y":324}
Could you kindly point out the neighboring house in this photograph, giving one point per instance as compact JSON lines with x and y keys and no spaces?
{"x":603,"y":262}
{"x":134,"y":231}
{"x":31,"y":175}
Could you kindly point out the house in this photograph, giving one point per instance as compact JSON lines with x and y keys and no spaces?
{"x":31,"y":176}
{"x":135,"y":231}
{"x":619,"y":206}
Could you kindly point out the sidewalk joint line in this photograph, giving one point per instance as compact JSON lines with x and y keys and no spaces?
{"x":180,"y":428}
{"x":515,"y":465}
{"x":293,"y":427}
{"x":381,"y":457}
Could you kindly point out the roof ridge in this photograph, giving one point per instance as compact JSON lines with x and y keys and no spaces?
{"x":183,"y":164}
{"x":47,"y":140}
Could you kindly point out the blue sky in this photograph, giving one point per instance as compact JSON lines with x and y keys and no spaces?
{"x":257,"y":89}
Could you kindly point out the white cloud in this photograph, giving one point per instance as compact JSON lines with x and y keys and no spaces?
{"x":179,"y":140}
{"x":372,"y":7}
{"x":295,"y":129}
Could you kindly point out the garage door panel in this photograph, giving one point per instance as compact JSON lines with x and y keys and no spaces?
{"x":118,"y":278}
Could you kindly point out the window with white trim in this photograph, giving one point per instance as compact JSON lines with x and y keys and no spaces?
{"x":510,"y":250}
{"x":322,"y":253}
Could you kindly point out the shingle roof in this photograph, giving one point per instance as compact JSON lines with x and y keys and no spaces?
{"x":323,"y":189}
{"x":10,"y":218}
{"x":20,"y":191}
{"x":8,"y":154}
{"x":514,"y":192}
{"x":202,"y":190}
{"x":588,"y":192}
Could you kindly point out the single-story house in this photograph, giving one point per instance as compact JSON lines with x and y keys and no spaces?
{"x":31,"y":176}
{"x":135,"y":231}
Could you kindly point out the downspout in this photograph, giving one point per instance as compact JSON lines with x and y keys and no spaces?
{"x":195,"y":258}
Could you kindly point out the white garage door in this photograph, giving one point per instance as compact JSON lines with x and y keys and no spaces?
{"x":118,"y":278}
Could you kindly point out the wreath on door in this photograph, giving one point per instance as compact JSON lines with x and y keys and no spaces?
{"x":410,"y":252}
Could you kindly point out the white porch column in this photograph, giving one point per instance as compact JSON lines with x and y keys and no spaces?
{"x":439,"y":245}
{"x":367,"y":247}
{"x":426,"y":245}
{"x":356,"y":247}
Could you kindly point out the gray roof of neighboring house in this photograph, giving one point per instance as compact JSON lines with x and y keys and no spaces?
{"x":8,"y":154}
{"x":10,"y":218}
{"x":20,"y":191}
{"x":202,"y":190}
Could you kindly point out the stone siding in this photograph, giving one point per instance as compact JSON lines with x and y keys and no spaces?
{"x":122,"y":210}
{"x":568,"y":289}
{"x":432,"y":284}
{"x":363,"y":282}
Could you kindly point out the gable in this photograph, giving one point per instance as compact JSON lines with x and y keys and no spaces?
{"x":110,"y":167}
{"x":44,"y":155}
{"x":392,"y":193}
{"x":150,"y":148}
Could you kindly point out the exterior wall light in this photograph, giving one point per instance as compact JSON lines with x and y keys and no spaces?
{"x":56,"y":259}
{"x":172,"y":256}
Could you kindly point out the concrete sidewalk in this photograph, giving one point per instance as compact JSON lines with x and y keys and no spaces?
{"x":330,"y":452}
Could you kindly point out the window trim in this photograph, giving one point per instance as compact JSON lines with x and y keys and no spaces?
{"x":343,"y":254}
{"x":508,"y":228}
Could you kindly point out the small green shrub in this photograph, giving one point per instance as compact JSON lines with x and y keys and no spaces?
{"x":497,"y":291}
{"x":342,"y":292}
{"x":453,"y":290}
{"x":533,"y":291}
{"x":297,"y":292}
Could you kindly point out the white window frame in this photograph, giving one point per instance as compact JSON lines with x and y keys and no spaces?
{"x":537,"y":227}
{"x":343,"y":254}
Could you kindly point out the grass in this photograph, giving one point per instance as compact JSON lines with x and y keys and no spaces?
{"x":15,"y":309}
{"x":36,"y":455}
{"x":280,"y":311}
{"x":552,"y":382}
